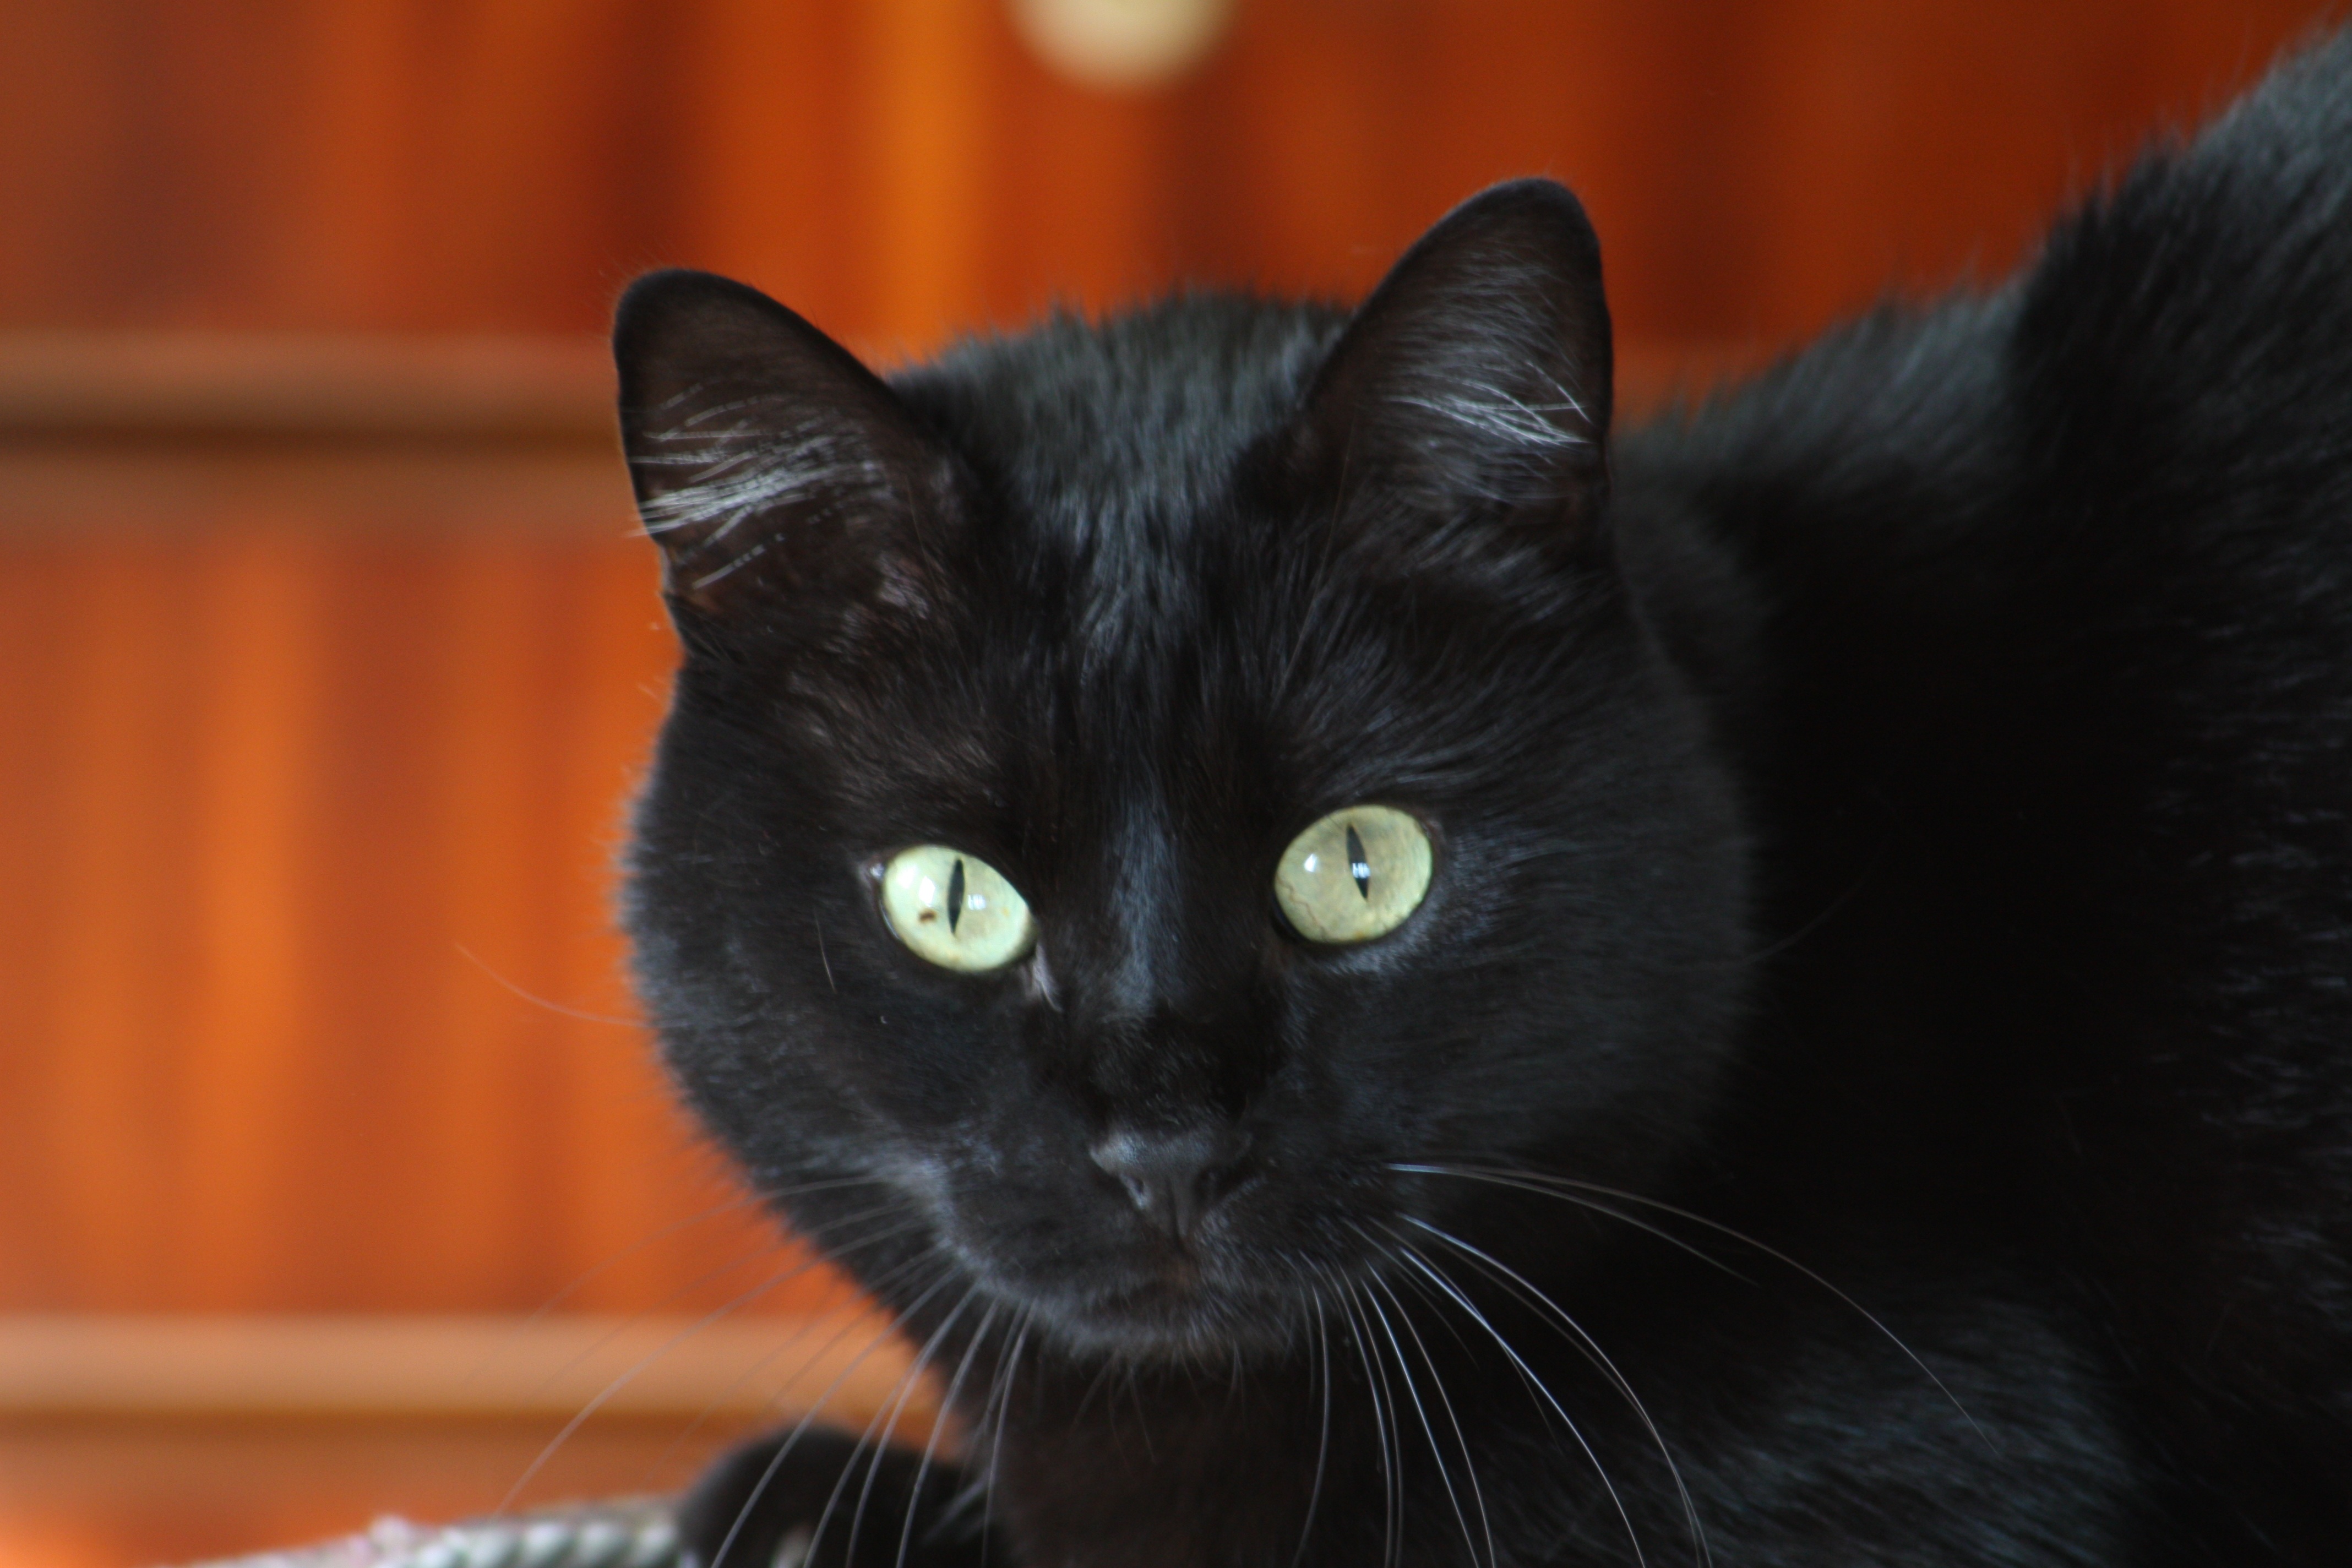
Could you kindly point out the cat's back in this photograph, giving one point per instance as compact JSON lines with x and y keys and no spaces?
{"x":2055,"y":600}
{"x":2172,"y":373}
{"x":2062,"y":573}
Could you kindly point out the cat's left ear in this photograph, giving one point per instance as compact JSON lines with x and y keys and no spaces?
{"x":1475,"y":379}
{"x":791,"y":490}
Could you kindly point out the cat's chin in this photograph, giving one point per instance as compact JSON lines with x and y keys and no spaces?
{"x":1171,"y":1323}
{"x":1174,"y":1316}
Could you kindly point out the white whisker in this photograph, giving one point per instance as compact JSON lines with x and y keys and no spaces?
{"x":931,"y":1443}
{"x":1592,"y":1352}
{"x":1376,"y":1386}
{"x":888,"y":1421}
{"x":1549,"y":1185}
{"x":538,"y":1001}
{"x":1460,"y":1441}
{"x":628,"y":1375}
{"x":1412,"y":1390}
{"x":783,"y":1449}
{"x":1529,"y":1183}
{"x":1462,"y":1300}
{"x":1323,"y":1434}
{"x":1003,"y":1409}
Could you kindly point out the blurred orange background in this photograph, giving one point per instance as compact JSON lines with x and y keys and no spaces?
{"x":328,"y":657}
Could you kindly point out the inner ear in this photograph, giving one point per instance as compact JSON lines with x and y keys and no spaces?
{"x":1477,"y":374}
{"x":785,"y":483}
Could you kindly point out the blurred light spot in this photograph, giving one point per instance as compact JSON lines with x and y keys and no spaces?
{"x":1121,"y":43}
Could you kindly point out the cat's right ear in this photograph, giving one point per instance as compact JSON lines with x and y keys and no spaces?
{"x":787,"y":486}
{"x":1474,"y":384}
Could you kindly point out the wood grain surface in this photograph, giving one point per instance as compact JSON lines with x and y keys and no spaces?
{"x":844,"y":1365}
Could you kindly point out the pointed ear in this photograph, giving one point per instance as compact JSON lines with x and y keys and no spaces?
{"x":786,"y":485}
{"x":1476,"y":376}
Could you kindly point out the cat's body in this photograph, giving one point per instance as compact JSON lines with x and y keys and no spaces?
{"x":1892,"y":846}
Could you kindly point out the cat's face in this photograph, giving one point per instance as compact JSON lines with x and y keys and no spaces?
{"x":1043,"y":709}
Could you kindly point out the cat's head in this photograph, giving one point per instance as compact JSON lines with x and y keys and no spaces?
{"x":1133,"y":786}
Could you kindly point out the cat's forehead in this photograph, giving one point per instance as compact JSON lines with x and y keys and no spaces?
{"x":1102,"y":431}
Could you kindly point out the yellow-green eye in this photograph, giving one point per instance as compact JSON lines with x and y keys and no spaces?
{"x":954,"y":908}
{"x":1353,"y":876}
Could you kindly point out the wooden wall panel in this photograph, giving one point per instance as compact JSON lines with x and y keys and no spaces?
{"x":301,"y":820}
{"x":316,"y":708}
{"x":901,"y":168}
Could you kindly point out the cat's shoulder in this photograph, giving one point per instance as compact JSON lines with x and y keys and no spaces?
{"x":2196,"y":317}
{"x":2183,"y":329}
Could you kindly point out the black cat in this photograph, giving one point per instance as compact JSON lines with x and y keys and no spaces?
{"x":1379,"y":975}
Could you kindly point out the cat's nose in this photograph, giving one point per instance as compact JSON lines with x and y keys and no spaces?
{"x":1174,"y":1174}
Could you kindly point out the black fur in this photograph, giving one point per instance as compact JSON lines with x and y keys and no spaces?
{"x":1871,"y":1078}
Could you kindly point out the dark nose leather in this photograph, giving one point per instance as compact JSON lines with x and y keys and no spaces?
{"x":1174,"y":1174}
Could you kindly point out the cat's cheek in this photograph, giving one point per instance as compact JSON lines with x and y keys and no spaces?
{"x":921,"y":1045}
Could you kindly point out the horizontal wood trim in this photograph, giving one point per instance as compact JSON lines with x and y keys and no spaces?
{"x":58,"y":487}
{"x":60,"y":390}
{"x":280,"y":385}
{"x":177,"y":434}
{"x":469,"y":1367}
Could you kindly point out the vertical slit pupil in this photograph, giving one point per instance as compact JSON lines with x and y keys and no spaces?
{"x":1357,"y":866}
{"x":955,"y":896}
